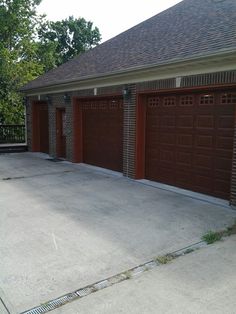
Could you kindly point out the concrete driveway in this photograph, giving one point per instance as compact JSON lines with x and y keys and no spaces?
{"x":64,"y":226}
{"x":203,"y":282}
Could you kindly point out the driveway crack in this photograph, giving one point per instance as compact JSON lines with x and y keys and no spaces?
{"x":36,"y":175}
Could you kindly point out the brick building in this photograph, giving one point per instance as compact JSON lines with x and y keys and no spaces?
{"x":155,"y":102}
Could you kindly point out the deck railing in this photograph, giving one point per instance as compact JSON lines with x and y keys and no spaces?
{"x":11,"y":134}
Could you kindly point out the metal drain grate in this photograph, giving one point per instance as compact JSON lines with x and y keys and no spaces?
{"x":52,"y":305}
{"x":100,"y":285}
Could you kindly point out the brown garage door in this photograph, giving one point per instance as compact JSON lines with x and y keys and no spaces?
{"x":40,"y":136}
{"x":103,"y":133}
{"x":189,"y":141}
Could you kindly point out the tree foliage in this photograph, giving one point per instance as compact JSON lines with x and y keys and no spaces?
{"x":68,"y":38}
{"x":31,"y":45}
{"x":18,"y":55}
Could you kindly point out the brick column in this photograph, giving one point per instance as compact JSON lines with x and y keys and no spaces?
{"x":233,"y":174}
{"x":29,"y":119}
{"x":69,"y":129}
{"x":28,"y":112}
{"x":52,"y":129}
{"x":129,"y":135}
{"x":57,"y":101}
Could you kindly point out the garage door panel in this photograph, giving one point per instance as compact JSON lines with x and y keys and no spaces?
{"x":185,"y":121}
{"x":222,"y":187}
{"x":223,"y":175}
{"x":225,"y":123}
{"x":224,"y":142}
{"x":224,"y":154}
{"x":203,"y":162}
{"x":205,"y":122}
{"x":189,"y":139}
{"x":185,"y":179}
{"x":223,"y":164}
{"x":203,"y":182}
{"x":184,"y":159}
{"x":103,"y":133}
{"x":204,"y":141}
{"x":43,"y":128}
{"x":168,"y":138}
{"x":165,"y":175}
{"x":167,"y":156}
{"x":168,"y":122}
{"x":154,"y":121}
{"x":185,"y":140}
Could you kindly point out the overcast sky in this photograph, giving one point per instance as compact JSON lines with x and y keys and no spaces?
{"x":111,"y":17}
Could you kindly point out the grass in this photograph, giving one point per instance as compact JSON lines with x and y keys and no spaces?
{"x":165,"y":259}
{"x":213,"y":236}
{"x":128,"y":274}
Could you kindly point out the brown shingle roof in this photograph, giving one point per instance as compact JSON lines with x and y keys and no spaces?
{"x":189,"y":28}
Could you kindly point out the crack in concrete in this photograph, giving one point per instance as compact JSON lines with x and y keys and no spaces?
{"x":35,"y":175}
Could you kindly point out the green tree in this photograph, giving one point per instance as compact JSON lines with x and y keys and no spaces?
{"x":18,"y":55}
{"x":31,"y":45}
{"x":67,"y":38}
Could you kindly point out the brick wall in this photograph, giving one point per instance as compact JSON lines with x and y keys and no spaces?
{"x":233,"y":177}
{"x":29,"y":103}
{"x":129,"y":135}
{"x":129,"y":131}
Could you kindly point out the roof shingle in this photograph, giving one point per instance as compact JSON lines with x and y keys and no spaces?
{"x":189,"y":28}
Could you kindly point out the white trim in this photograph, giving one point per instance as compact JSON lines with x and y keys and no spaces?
{"x":200,"y":65}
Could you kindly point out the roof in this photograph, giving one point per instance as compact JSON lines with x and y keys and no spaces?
{"x":183,"y":31}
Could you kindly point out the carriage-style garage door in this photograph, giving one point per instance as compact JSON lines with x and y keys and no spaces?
{"x":189,"y":141}
{"x":40,"y":132}
{"x":102,"y":130}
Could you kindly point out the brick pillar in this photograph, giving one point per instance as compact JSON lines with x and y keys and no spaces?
{"x":129,"y":136}
{"x":69,"y":129}
{"x":233,"y":175}
{"x":57,"y":101}
{"x":28,"y":111}
{"x":52,"y":128}
{"x":29,"y":120}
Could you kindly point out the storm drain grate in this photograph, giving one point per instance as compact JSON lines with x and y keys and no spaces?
{"x":52,"y":305}
{"x":100,"y":285}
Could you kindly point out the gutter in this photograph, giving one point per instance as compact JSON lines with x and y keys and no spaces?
{"x":224,"y":53}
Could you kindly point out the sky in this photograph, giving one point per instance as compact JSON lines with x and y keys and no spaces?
{"x":111,"y":17}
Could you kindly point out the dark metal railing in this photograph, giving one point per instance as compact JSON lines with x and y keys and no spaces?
{"x":11,"y":134}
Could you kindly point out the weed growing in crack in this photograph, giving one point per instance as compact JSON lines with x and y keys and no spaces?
{"x":165,"y":259}
{"x":212,"y":236}
{"x":128,"y":274}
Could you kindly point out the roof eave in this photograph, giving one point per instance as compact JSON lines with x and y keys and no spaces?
{"x":173,"y":63}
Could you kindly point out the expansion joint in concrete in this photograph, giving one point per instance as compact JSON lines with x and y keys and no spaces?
{"x":111,"y":281}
